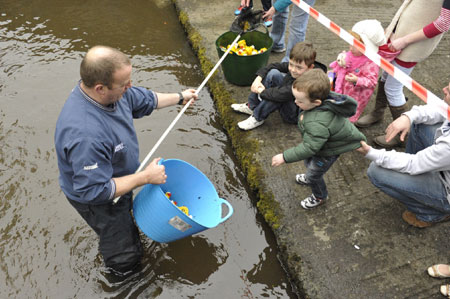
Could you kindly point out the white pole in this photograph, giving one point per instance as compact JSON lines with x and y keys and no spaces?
{"x":163,"y":136}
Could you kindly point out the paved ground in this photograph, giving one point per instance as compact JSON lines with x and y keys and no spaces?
{"x":355,"y":246}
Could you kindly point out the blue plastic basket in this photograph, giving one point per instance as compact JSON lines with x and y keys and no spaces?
{"x":162,"y":221}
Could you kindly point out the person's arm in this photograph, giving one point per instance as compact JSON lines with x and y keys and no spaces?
{"x":152,"y":174}
{"x":402,"y":42}
{"x":401,"y":125}
{"x":314,"y":138}
{"x":368,"y":77}
{"x":279,"y":5}
{"x":433,"y":158}
{"x":438,"y":26}
{"x":170,"y":99}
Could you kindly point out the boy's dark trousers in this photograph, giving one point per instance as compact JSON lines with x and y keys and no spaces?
{"x":119,"y":243}
{"x":316,"y":168}
{"x":262,"y":109}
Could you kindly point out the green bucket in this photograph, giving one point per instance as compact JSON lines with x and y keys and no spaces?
{"x":241,"y":70}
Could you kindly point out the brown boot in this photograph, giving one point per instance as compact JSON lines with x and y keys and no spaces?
{"x":381,"y":140}
{"x":376,"y":115}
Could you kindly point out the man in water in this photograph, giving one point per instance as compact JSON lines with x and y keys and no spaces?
{"x":98,"y":152}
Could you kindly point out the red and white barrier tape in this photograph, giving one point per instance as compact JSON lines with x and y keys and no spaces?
{"x":424,"y":94}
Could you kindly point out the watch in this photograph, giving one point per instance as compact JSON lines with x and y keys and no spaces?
{"x":180,"y":102}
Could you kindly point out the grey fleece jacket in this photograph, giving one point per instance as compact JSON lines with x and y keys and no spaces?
{"x":434,"y":158}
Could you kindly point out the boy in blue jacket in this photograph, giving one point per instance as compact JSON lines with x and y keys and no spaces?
{"x":271,"y":89}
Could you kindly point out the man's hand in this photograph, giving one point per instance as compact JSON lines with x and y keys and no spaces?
{"x":154,"y":173}
{"x":364,"y":149}
{"x":400,"y":125}
{"x":189,"y":94}
{"x":277,"y":160}
{"x":257,"y":86}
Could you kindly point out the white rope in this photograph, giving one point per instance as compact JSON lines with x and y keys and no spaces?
{"x":166,"y":132}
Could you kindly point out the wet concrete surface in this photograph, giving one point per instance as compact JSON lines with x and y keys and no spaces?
{"x":356,"y":245}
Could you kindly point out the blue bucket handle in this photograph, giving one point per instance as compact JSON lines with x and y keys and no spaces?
{"x":230,"y":209}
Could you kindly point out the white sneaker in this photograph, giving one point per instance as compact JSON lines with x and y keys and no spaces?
{"x":249,"y":123}
{"x":243,"y":108}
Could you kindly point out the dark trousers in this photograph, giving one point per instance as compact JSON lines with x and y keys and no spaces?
{"x":119,"y":243}
{"x":289,"y":111}
{"x":266,"y":4}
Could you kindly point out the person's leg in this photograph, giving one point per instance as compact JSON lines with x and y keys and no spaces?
{"x":422,"y":194}
{"x":280,"y":20}
{"x":297,"y":27}
{"x":253,"y":101}
{"x":273,"y":78}
{"x":266,"y":4}
{"x":317,"y":167}
{"x":394,"y":89}
{"x":264,"y":108}
{"x":420,"y":137}
{"x":119,"y":243}
{"x":289,"y":112}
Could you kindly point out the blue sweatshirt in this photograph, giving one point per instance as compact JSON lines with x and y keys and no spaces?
{"x":95,"y":143}
{"x":280,"y":5}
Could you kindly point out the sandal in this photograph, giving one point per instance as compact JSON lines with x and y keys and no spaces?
{"x":433,"y":271}
{"x":445,"y":290}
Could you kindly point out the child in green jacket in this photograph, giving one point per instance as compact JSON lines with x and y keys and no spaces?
{"x":326,"y":132}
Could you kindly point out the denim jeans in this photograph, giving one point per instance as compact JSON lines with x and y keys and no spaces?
{"x":297,"y":28}
{"x":423,"y":194}
{"x":316,"y":168}
{"x":262,"y":109}
{"x":393,"y":88}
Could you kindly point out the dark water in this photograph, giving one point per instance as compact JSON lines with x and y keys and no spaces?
{"x":46,"y":249}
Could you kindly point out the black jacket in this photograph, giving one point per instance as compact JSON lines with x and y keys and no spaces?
{"x":282,"y":93}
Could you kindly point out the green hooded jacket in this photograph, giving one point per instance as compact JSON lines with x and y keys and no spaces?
{"x":326,"y":130}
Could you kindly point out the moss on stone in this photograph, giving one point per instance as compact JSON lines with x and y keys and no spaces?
{"x":244,"y":146}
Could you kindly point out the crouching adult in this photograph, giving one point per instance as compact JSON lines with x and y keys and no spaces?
{"x":420,"y":176}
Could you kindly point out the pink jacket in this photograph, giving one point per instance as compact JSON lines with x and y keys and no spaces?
{"x":362,"y":90}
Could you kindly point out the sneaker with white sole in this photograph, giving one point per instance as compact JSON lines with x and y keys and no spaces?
{"x":312,"y":202}
{"x":242,"y":108}
{"x":249,"y":123}
{"x":301,"y":179}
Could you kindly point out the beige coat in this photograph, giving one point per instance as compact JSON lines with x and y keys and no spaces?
{"x":410,"y":17}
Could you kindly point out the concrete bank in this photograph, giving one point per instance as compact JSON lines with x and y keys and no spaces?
{"x":356,"y":245}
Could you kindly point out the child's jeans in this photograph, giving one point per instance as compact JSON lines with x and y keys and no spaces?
{"x":423,"y":194}
{"x":262,"y":109}
{"x":316,"y":168}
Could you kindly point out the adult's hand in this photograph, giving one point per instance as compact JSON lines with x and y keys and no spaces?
{"x":189,"y":94}
{"x":402,"y":42}
{"x":277,"y":160}
{"x":154,"y":173}
{"x":398,"y":44}
{"x":400,"y":125}
{"x":364,"y":149}
{"x":269,"y":13}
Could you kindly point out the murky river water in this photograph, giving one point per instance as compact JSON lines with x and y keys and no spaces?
{"x":46,"y":249}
